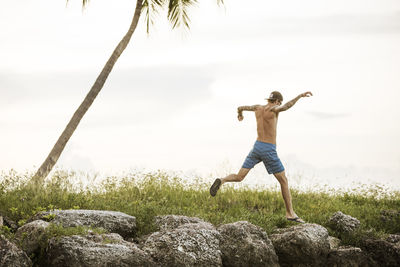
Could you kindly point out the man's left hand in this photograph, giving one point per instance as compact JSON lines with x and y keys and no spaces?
{"x":306,"y":94}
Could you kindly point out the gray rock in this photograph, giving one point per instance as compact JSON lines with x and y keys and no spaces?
{"x":95,"y":250}
{"x":301,"y":245}
{"x":382,"y":251}
{"x":111,"y":221}
{"x":191,"y":244}
{"x":349,"y":257}
{"x":29,"y":236}
{"x":334,"y":242}
{"x":343,"y":223}
{"x":393,"y":238}
{"x":245,"y":244}
{"x":11,"y":255}
{"x":170,"y":222}
{"x":9,"y":223}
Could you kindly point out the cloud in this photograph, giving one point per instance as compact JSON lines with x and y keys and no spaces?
{"x":328,"y":115}
{"x":341,"y":24}
{"x":337,"y":24}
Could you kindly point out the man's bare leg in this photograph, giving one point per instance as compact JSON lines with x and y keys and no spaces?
{"x":230,"y":178}
{"x":287,"y":198}
{"x":236,"y":177}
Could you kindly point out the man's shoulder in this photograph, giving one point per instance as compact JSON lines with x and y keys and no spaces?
{"x":272,"y":108}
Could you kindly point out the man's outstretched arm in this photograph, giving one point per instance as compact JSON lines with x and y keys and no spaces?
{"x":245,"y":108}
{"x":290,"y":104}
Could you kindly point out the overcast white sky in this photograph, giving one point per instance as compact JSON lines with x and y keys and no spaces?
{"x":170,"y":102}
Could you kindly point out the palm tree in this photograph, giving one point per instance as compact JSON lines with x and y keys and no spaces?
{"x":177,"y":15}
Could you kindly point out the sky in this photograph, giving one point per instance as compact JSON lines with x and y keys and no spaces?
{"x":170,"y":102}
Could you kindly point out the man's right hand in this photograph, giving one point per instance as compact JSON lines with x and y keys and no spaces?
{"x":240,"y":117}
{"x":306,"y":94}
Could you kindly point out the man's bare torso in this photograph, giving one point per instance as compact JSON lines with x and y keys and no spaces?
{"x":266,"y":123}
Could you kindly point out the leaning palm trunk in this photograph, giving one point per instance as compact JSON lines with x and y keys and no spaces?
{"x":55,"y":153}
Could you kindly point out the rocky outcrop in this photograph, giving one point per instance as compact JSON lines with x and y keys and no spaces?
{"x":170,"y":222}
{"x":11,"y":255}
{"x":244,"y":244}
{"x":301,"y":245}
{"x":191,"y":244}
{"x":30,"y":235}
{"x":111,"y":221}
{"x":343,"y":223}
{"x":95,"y":250}
{"x":349,"y":257}
{"x":385,"y":252}
{"x":189,"y":241}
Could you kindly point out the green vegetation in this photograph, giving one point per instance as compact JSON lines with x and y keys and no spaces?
{"x":145,"y":195}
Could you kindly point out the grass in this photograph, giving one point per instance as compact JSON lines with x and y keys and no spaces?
{"x":145,"y":195}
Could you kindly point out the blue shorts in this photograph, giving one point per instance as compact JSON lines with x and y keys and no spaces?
{"x":265,"y":152}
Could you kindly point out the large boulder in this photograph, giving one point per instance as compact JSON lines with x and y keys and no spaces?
{"x":170,"y":222}
{"x":191,"y":244}
{"x":385,"y":252}
{"x":30,"y":235}
{"x":349,"y":257}
{"x":343,"y":223}
{"x":94,"y":250}
{"x":244,"y":244}
{"x":301,"y":245}
{"x":11,"y":255}
{"x":111,"y":221}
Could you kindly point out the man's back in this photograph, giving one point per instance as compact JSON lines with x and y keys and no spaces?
{"x":266,"y":123}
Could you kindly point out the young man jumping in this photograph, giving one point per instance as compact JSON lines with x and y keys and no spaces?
{"x":265,"y":148}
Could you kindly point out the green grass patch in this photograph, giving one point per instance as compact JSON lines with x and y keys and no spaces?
{"x":145,"y":195}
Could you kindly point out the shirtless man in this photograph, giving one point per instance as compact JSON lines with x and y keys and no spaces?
{"x":265,"y":148}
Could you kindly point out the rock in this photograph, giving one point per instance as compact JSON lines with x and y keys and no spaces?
{"x":9,"y":223}
{"x":334,"y":242}
{"x":30,"y":235}
{"x":191,"y":244}
{"x":343,"y":223}
{"x":393,"y":238}
{"x":349,"y":257}
{"x":1,"y":221}
{"x":95,"y":250}
{"x":170,"y":222}
{"x":11,"y":255}
{"x":382,"y":251}
{"x":111,"y":221}
{"x":301,"y":245}
{"x":244,"y":244}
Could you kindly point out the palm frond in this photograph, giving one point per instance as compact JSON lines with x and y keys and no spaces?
{"x":151,"y":7}
{"x":178,"y":12}
{"x":84,"y":3}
